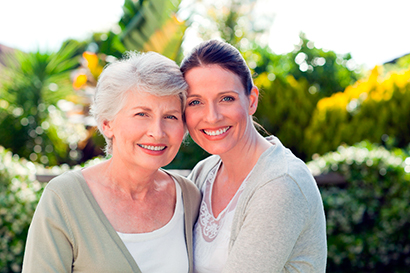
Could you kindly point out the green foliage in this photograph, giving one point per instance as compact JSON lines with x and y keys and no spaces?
{"x":325,"y":71}
{"x":152,"y":26}
{"x":189,"y":154}
{"x":32,"y":86}
{"x":238,"y":22}
{"x":402,"y":63}
{"x":19,"y":195}
{"x":376,"y":109}
{"x":368,"y":221}
{"x":291,"y":85}
{"x":285,"y":108}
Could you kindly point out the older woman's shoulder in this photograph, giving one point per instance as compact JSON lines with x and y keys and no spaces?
{"x":66,"y":182}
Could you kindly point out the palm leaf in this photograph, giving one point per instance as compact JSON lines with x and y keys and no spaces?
{"x":152,"y":26}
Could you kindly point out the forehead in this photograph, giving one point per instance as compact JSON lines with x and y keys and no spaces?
{"x":136,"y":98}
{"x":212,"y":76}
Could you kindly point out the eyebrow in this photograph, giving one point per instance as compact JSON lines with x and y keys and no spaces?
{"x":142,"y":108}
{"x":220,"y":93}
{"x":147,"y":109}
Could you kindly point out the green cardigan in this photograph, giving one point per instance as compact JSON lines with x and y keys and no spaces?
{"x":70,"y":233}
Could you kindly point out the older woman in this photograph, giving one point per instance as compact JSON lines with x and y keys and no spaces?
{"x":125,"y":214}
{"x":261,"y":210}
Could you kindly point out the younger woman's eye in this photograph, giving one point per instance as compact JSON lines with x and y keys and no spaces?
{"x":228,"y":98}
{"x":193,"y":103}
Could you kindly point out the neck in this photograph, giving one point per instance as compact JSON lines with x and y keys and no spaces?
{"x":239,"y":162}
{"x":131,"y":180}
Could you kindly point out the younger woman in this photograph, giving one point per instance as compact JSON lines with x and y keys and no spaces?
{"x":261,"y":210}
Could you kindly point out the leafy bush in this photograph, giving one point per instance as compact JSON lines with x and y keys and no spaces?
{"x":368,"y":221}
{"x":376,"y":109}
{"x":34,"y":87}
{"x":285,"y":109}
{"x":325,"y":71}
{"x":19,"y":195}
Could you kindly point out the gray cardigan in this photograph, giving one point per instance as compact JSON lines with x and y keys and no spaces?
{"x":279,"y":223}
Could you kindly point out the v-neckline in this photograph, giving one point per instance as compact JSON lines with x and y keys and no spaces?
{"x":106,"y":223}
{"x":211,"y":186}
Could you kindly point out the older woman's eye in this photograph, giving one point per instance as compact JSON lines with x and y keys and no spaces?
{"x":140,"y":114}
{"x":193,"y":103}
{"x":171,"y":117}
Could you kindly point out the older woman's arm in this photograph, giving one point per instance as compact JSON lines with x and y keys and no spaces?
{"x":49,"y":242}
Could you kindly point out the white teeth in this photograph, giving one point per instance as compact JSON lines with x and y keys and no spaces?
{"x":152,"y":148}
{"x":217,"y":132}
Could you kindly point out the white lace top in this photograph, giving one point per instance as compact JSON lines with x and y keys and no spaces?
{"x":211,"y":235}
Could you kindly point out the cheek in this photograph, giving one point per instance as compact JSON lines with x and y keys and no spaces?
{"x":189,"y":118}
{"x":177,"y":132}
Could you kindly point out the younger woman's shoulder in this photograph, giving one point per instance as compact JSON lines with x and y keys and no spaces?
{"x":203,"y":167}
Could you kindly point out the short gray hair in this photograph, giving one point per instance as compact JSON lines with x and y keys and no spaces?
{"x":149,"y":72}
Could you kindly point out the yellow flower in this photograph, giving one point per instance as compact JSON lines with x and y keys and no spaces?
{"x":79,"y":81}
{"x":93,"y":63}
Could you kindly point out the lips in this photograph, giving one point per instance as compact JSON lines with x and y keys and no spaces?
{"x":216,"y":132}
{"x":152,"y":147}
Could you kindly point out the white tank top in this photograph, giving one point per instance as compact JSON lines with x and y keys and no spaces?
{"x":164,"y":249}
{"x":211,"y":235}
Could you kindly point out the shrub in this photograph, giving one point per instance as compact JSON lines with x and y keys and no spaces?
{"x":376,"y":109}
{"x":285,"y":109}
{"x":368,"y":221}
{"x":19,"y":195}
{"x":34,"y":89}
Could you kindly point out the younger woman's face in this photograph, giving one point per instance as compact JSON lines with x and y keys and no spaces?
{"x":218,"y":112}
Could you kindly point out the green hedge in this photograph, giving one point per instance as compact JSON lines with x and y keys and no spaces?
{"x":368,"y":221}
{"x":19,"y":195}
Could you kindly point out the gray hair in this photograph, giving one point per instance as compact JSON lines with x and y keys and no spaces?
{"x":148,"y":72}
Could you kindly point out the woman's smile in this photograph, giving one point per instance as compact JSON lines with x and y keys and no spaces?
{"x":153,"y":147}
{"x":217,"y":132}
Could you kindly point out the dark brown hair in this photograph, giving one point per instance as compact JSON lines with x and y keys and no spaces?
{"x":222,"y":54}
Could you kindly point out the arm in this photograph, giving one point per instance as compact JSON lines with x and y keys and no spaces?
{"x":49,"y":246}
{"x":272,"y":221}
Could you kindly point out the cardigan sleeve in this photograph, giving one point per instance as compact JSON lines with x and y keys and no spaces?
{"x":273,"y":219}
{"x":49,"y":245}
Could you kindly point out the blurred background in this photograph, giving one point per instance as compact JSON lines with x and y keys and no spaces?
{"x":335,"y":88}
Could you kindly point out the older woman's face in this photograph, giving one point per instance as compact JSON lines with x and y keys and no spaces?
{"x":148,"y":130}
{"x":218,"y":112}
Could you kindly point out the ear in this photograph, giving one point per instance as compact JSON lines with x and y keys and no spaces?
{"x":253,"y":100}
{"x":107,"y":128}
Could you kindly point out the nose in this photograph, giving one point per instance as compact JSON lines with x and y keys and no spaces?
{"x":156,"y":129}
{"x":212,"y":114}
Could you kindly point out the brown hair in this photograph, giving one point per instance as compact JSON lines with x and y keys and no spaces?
{"x":222,"y":54}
